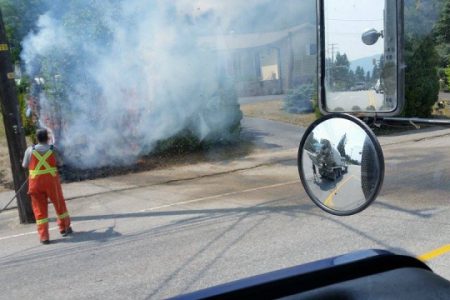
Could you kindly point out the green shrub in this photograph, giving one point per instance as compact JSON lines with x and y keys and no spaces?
{"x":315,"y":103}
{"x":447,"y":78}
{"x":300,"y":99}
{"x":185,"y":141}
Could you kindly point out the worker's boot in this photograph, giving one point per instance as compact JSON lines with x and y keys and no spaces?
{"x":67,"y":231}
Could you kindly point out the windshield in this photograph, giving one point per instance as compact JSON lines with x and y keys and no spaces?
{"x":176,"y":126}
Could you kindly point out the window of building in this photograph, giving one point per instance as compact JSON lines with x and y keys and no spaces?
{"x":311,"y":49}
{"x":269,"y":64}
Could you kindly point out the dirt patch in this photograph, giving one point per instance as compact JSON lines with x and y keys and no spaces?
{"x":209,"y":153}
{"x":442,"y":113}
{"x":273,"y":110}
{"x":5,"y":165}
{"x":163,"y":161}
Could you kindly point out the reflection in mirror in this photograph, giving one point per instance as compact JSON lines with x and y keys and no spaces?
{"x":342,"y":170}
{"x":360,"y":55}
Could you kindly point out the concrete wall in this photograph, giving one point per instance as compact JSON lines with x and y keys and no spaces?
{"x":295,"y":65}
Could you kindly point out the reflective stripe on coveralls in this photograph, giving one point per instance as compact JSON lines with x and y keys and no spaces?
{"x":64,"y":215}
{"x":42,"y":162}
{"x":42,"y":221}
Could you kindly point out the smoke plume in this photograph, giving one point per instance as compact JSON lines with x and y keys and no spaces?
{"x":114,"y":77}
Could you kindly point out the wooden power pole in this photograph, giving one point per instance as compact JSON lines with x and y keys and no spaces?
{"x":13,"y":127}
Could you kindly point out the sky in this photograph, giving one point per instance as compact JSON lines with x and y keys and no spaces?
{"x":345,"y":21}
{"x":332,"y":130}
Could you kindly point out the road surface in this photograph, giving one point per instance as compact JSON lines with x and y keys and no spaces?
{"x":343,"y":194}
{"x":347,"y":100}
{"x":158,"y":234}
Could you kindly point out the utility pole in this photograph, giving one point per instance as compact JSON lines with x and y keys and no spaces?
{"x":333,"y":48}
{"x":13,"y":127}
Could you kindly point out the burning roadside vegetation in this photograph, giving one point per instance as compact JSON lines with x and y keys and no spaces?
{"x":180,"y":150}
{"x":130,"y":86}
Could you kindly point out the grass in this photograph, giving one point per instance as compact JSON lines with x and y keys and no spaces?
{"x":272,"y":110}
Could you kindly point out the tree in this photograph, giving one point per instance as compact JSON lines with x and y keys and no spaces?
{"x":442,"y":27}
{"x":341,"y":145}
{"x":341,"y":72}
{"x":351,"y":77}
{"x":421,"y":56}
{"x":421,"y":78}
{"x":447,"y":74}
{"x":20,"y":18}
{"x":359,"y":74}
{"x":311,"y":142}
{"x":421,"y":16}
{"x":442,"y":33}
{"x":376,"y":72}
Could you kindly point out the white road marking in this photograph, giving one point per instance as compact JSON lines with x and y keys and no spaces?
{"x":171,"y":205}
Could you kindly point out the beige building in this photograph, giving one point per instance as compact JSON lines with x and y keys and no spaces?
{"x":268,"y":63}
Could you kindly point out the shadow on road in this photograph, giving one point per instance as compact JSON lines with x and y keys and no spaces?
{"x":422,"y":213}
{"x":258,"y":138}
{"x":208,"y":212}
{"x":91,"y":235}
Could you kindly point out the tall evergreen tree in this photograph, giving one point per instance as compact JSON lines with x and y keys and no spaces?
{"x":20,"y":18}
{"x":341,"y":72}
{"x":422,"y":82}
{"x":421,"y":57}
{"x":341,"y":145}
{"x":359,"y":74}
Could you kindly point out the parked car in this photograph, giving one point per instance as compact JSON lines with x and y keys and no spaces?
{"x":359,"y":86}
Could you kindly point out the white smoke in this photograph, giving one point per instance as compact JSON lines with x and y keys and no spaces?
{"x":122,"y":75}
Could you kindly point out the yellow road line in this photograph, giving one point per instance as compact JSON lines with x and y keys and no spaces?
{"x":372,"y":100}
{"x":329,"y":200}
{"x":434,"y":253}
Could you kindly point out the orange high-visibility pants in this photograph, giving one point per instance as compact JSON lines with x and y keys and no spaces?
{"x":40,"y":189}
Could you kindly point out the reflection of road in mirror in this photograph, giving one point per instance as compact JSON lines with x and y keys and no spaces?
{"x":344,"y":193}
{"x":360,"y":74}
{"x":326,"y":184}
{"x":340,"y":165}
{"x":365,"y":100}
{"x":348,"y":193}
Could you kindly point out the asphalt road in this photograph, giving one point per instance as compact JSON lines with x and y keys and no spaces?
{"x":155,"y":241}
{"x":270,"y":135}
{"x":343,"y":194}
{"x":347,"y":100}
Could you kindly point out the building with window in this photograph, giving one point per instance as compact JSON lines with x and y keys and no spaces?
{"x":268,"y":63}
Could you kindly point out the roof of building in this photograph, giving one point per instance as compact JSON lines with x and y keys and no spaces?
{"x":251,"y":40}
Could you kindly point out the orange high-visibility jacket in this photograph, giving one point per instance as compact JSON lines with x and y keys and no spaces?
{"x":42,"y":168}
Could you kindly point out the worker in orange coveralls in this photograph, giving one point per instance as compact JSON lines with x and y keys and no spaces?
{"x":44,"y":183}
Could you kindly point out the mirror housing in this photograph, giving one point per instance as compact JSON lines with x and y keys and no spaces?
{"x":384,"y":93}
{"x":340,"y":164}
